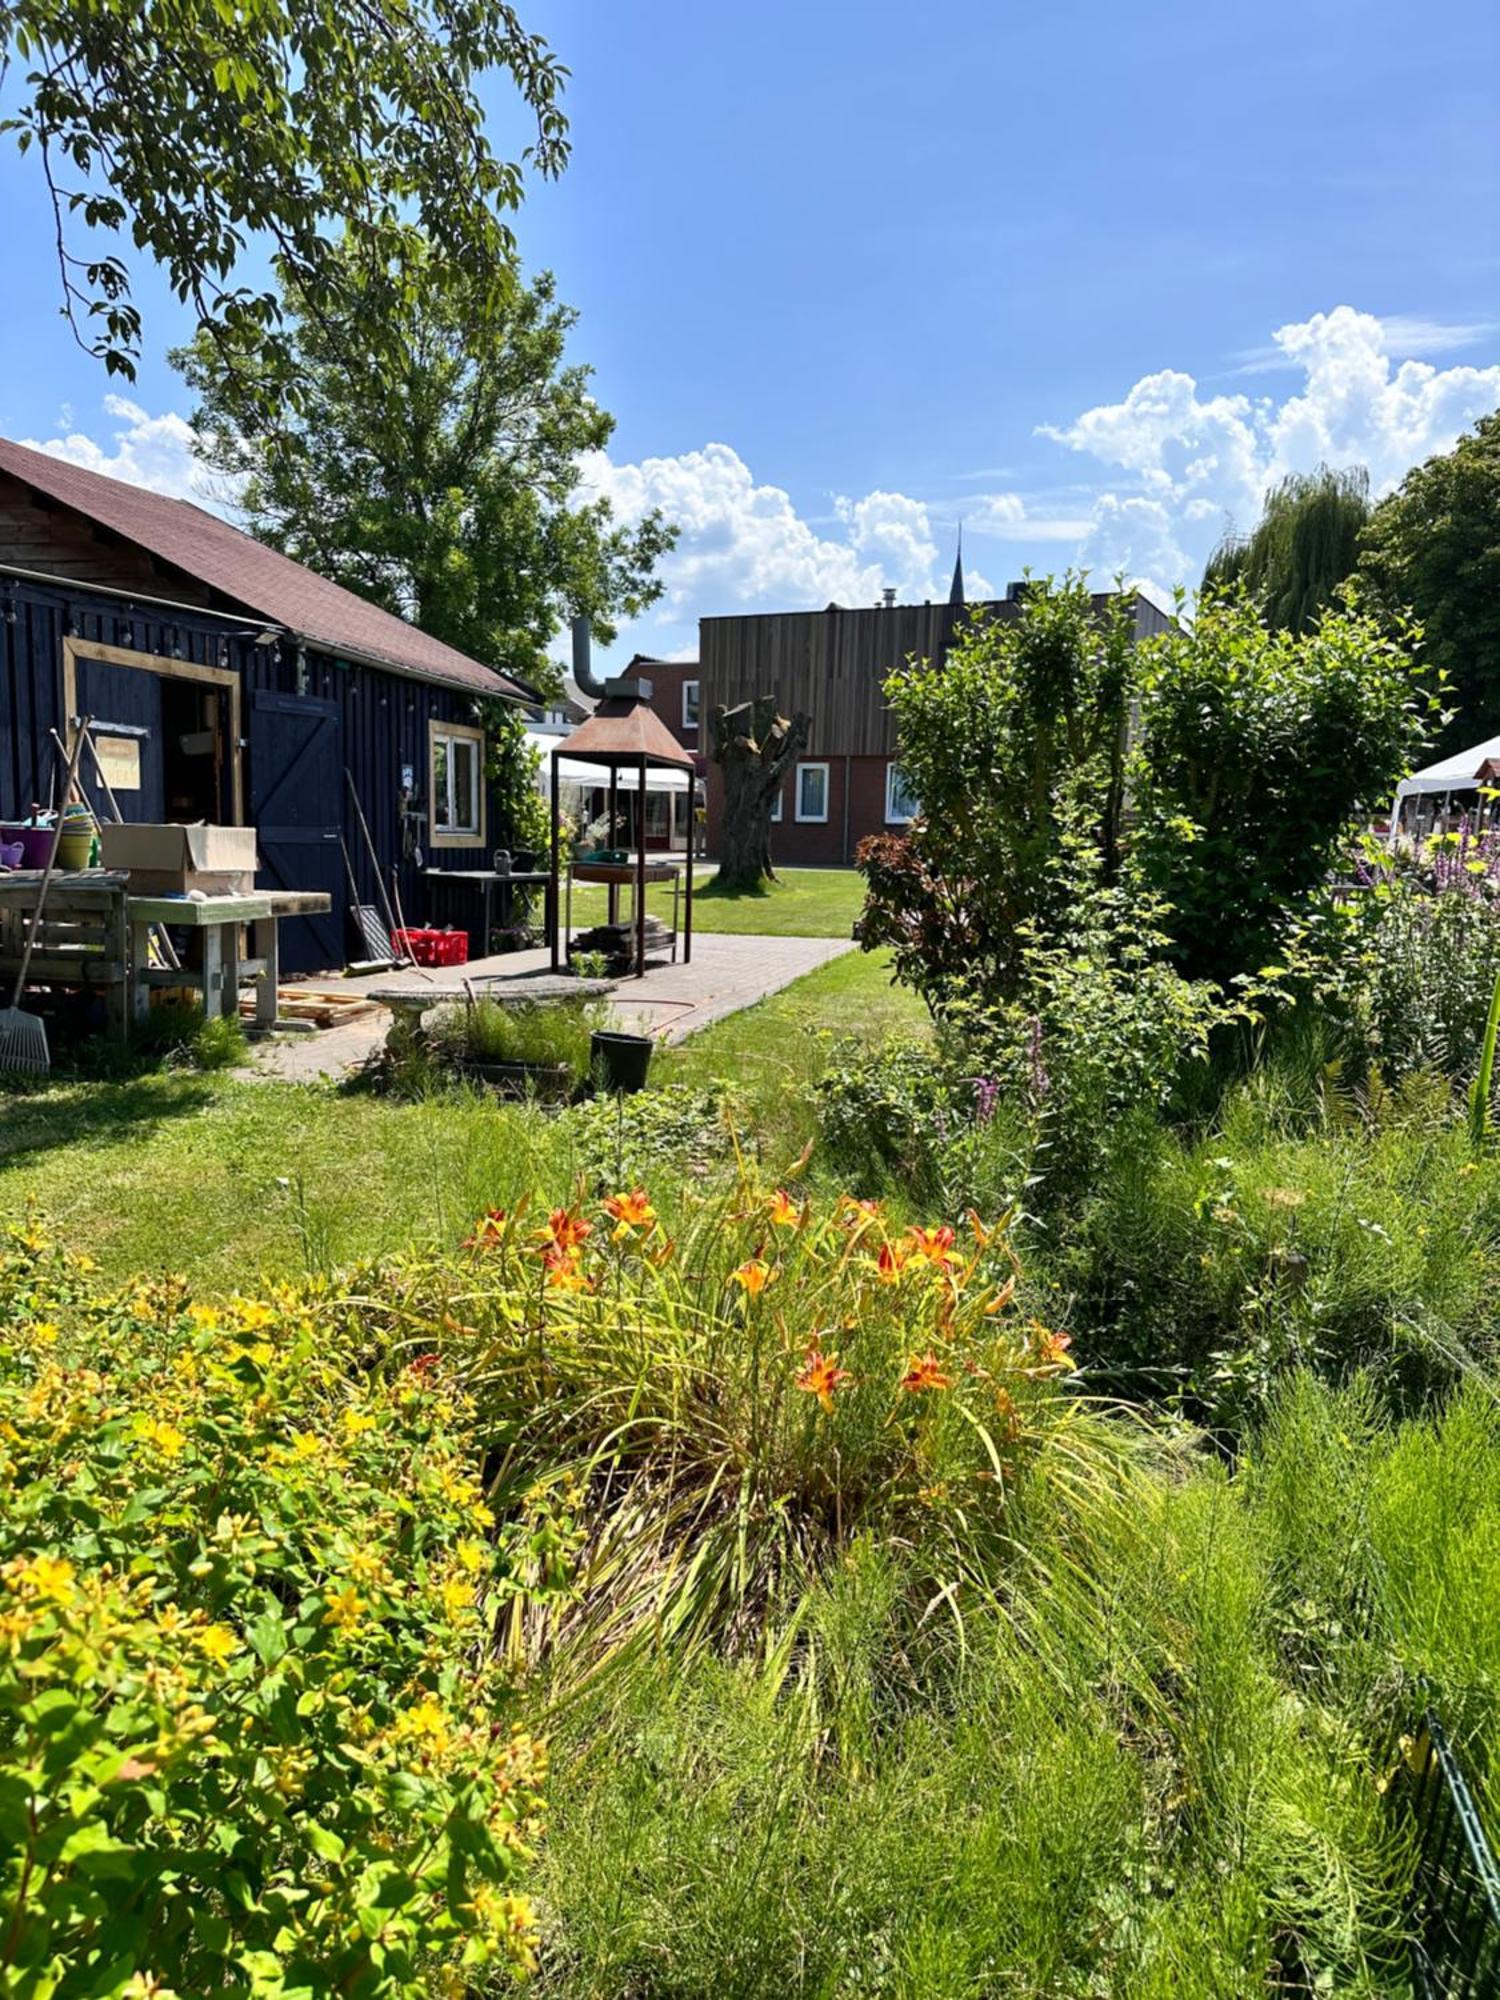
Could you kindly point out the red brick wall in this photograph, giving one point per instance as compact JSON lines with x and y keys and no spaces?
{"x":666,"y":678}
{"x":860,"y":780}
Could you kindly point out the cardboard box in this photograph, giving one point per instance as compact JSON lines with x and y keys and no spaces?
{"x":171,"y":860}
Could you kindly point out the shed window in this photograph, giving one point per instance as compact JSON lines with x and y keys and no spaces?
{"x":900,"y":800}
{"x":690,"y":704}
{"x":457,"y":785}
{"x":812,"y":792}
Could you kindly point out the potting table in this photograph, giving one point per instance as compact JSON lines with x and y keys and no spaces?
{"x":490,"y":879}
{"x":82,"y":941}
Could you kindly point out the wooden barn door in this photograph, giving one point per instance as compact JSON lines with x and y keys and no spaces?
{"x":125,"y":703}
{"x":296,"y":794}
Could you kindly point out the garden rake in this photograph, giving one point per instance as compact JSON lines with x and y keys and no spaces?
{"x":23,"y":1037}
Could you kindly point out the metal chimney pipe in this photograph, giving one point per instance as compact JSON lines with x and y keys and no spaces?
{"x":583,"y":657}
{"x":890,"y":597}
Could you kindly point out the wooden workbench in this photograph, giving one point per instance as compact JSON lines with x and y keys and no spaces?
{"x":220,"y":918}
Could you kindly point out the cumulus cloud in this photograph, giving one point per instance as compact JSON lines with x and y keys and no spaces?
{"x":1194,"y":463}
{"x":744,"y":545}
{"x":154,"y":452}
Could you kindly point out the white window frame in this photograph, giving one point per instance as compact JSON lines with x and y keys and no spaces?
{"x":472,"y":832}
{"x":778,"y":807}
{"x":807,"y":818}
{"x":892,"y":779}
{"x":690,"y":720}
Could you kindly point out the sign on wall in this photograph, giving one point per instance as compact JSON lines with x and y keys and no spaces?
{"x":120,"y":761}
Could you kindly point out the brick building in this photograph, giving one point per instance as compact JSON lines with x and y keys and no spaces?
{"x":833,"y":665}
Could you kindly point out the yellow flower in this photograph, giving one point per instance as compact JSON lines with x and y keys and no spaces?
{"x":345,"y":1609}
{"x":44,"y":1330}
{"x":218,"y":1642}
{"x":357,"y":1422}
{"x":51,"y":1577}
{"x":471,"y":1554}
{"x":169,"y":1441}
{"x":429,"y":1720}
{"x":252,"y":1314}
{"x":305,"y":1445}
{"x":203,"y":1317}
{"x":82,"y":1261}
{"x":456,"y":1595}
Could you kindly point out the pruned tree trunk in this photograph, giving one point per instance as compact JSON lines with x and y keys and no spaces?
{"x":753,"y":746}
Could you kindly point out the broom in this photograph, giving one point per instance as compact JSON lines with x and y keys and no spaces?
{"x":23,"y":1037}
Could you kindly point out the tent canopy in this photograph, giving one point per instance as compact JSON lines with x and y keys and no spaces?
{"x":1457,"y":773}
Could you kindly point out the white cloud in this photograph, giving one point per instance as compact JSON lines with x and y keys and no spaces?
{"x":744,"y":545}
{"x":1194,"y":463}
{"x":1006,"y":517}
{"x":154,"y":452}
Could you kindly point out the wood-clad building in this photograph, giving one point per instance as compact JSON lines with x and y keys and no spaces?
{"x":833,"y":665}
{"x":229,"y":683}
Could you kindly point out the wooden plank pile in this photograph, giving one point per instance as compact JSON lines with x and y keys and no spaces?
{"x":305,"y":1008}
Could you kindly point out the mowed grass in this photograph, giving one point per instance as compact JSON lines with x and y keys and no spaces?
{"x":802,"y":902}
{"x":227,"y":1178}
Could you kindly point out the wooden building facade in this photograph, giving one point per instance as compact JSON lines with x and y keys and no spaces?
{"x":219,"y":690}
{"x":832,"y":666}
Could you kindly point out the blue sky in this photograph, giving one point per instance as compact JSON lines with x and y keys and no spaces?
{"x":1084,"y":276}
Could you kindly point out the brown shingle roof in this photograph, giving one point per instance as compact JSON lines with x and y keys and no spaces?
{"x":244,"y":570}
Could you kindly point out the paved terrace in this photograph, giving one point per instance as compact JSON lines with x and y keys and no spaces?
{"x":728,"y":972}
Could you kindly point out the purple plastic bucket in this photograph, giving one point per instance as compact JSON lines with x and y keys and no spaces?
{"x":36,"y":843}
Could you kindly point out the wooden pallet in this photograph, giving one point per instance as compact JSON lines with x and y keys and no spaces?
{"x":320,"y":1010}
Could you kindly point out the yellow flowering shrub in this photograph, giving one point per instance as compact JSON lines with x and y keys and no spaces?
{"x":255,"y":1732}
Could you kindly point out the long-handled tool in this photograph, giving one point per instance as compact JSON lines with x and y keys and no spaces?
{"x":372,"y":932}
{"x":23,"y":1037}
{"x":364,"y":827}
{"x":159,"y":935}
{"x":396,"y":892}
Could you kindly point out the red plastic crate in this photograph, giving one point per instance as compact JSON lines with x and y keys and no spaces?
{"x":429,"y":947}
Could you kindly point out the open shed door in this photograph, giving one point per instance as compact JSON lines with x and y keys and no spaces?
{"x":126,"y":706}
{"x":296,"y":792}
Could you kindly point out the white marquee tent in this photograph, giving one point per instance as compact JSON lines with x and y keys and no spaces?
{"x":1458,"y":773}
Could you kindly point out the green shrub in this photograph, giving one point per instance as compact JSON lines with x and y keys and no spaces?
{"x":251,"y":1713}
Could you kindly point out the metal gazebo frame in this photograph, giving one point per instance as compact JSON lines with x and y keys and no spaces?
{"x":623,"y":733}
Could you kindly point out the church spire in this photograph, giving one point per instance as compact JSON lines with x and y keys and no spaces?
{"x":956,"y":588}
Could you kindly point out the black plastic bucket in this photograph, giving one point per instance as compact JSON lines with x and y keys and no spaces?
{"x":620,"y":1062}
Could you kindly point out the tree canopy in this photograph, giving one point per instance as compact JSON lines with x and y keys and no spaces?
{"x":1303,"y":547}
{"x":324,"y":129}
{"x":453,"y":497}
{"x":1433,"y":547}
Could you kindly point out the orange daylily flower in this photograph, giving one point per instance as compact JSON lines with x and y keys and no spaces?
{"x":933,"y":1246}
{"x":754,"y":1274}
{"x":487,"y":1231}
{"x":566,"y":1229}
{"x":892,"y":1261}
{"x":631,"y":1212}
{"x":563,"y":1272}
{"x":925,"y":1372}
{"x":821,"y":1376}
{"x":1004,"y":1296}
{"x":1009,"y":1415}
{"x":1052,"y":1348}
{"x":784,"y":1211}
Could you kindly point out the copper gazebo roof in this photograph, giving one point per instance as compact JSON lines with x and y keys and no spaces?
{"x":623,"y":730}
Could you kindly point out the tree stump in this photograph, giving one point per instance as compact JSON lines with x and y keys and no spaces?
{"x":753,"y":746}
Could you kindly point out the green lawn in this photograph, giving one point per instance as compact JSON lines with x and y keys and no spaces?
{"x":804,"y":902}
{"x":229,"y":1177}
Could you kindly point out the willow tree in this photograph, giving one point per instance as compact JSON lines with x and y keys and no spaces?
{"x":1304,"y":546}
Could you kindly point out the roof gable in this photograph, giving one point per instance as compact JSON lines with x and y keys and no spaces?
{"x":236,"y":566}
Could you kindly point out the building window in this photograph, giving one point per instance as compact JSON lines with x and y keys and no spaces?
{"x":690,"y":704}
{"x":812,"y":793}
{"x":777,"y":806}
{"x":900,"y":800}
{"x":457,"y":784}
